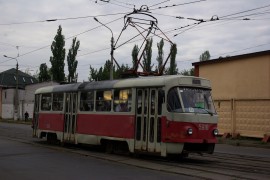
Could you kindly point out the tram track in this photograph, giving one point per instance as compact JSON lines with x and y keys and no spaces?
{"x":227,"y":170}
{"x":214,"y":166}
{"x":242,"y":163}
{"x":205,"y":167}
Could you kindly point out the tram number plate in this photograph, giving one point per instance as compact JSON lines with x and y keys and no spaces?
{"x":203,"y":127}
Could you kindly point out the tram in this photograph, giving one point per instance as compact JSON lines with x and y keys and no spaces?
{"x":159,"y":115}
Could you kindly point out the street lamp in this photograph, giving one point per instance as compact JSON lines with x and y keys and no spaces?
{"x":112,"y":47}
{"x":16,"y":92}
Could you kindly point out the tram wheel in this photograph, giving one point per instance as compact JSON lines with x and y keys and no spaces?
{"x":109,"y":148}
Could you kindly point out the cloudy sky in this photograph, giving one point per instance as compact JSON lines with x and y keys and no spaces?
{"x":242,"y":27}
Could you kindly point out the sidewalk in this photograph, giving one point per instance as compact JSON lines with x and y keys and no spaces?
{"x":29,"y":122}
{"x":244,"y":141}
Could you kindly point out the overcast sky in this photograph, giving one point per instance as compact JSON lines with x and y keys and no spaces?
{"x":243,"y":27}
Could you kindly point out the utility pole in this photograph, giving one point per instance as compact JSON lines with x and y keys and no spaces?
{"x":16,"y":96}
{"x":112,"y":48}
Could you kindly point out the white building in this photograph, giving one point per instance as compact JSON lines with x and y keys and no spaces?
{"x":26,"y":93}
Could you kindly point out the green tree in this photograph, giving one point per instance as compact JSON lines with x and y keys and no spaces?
{"x":160,"y":54}
{"x":173,"y":66}
{"x":57,"y":60}
{"x":118,"y":73}
{"x":205,"y":56}
{"x":135,"y":52}
{"x":147,"y":55}
{"x":93,"y":75}
{"x":43,"y":73}
{"x":186,"y":72}
{"x":36,"y":74}
{"x":105,"y":72}
{"x":102,"y":74}
{"x":72,"y":62}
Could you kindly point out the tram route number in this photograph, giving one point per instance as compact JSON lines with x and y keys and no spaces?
{"x":203,"y":127}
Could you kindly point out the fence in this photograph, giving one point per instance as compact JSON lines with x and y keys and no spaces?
{"x":245,"y":117}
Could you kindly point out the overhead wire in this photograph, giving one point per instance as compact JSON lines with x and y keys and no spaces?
{"x":159,"y":3}
{"x":217,"y":55}
{"x":191,"y":26}
{"x":62,"y":19}
{"x":174,"y":5}
{"x":125,"y":3}
{"x":195,"y":26}
{"x":109,"y":2}
{"x":50,"y":20}
{"x":247,"y":15}
{"x":226,"y":53}
{"x":70,"y":37}
{"x":171,"y":30}
{"x":245,"y":11}
{"x":7,"y":44}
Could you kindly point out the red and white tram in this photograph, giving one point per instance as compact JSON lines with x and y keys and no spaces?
{"x":159,"y":115}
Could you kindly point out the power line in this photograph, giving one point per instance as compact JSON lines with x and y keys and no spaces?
{"x":245,"y":11}
{"x":108,"y":1}
{"x":179,"y":61}
{"x":93,"y":52}
{"x":190,"y":26}
{"x":61,"y":19}
{"x":253,"y":14}
{"x":174,"y":5}
{"x":125,"y":3}
{"x":159,"y":3}
{"x":117,"y":19}
{"x":6,"y":61}
{"x":178,"y":17}
{"x":108,"y":23}
{"x":7,"y":44}
{"x":243,"y":49}
{"x":218,"y":55}
{"x":69,"y":37}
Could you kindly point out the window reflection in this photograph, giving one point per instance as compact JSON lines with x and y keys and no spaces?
{"x":122,"y":100}
{"x":58,"y":102}
{"x":193,"y":100}
{"x":87,"y":101}
{"x":46,"y":101}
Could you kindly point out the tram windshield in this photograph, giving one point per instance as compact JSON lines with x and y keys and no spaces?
{"x":190,"y":100}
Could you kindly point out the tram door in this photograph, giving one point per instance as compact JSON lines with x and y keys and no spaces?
{"x":148,"y":120}
{"x":70,"y":117}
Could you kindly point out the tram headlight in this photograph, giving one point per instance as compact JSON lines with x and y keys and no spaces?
{"x":215,"y":132}
{"x":189,"y":131}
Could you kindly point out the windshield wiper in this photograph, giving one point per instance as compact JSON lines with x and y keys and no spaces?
{"x":209,"y":112}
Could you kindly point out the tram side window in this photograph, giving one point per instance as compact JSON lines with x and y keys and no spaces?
{"x":139,"y":102}
{"x":46,"y":101}
{"x":122,"y":100}
{"x":87,"y":101}
{"x":160,"y":100}
{"x":58,"y":100}
{"x":173,"y":101}
{"x":103,"y":100}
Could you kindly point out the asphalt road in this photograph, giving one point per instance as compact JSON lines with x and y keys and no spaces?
{"x":22,"y":158}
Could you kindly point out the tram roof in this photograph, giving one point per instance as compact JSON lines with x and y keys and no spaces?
{"x":58,"y":88}
{"x":153,"y":81}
